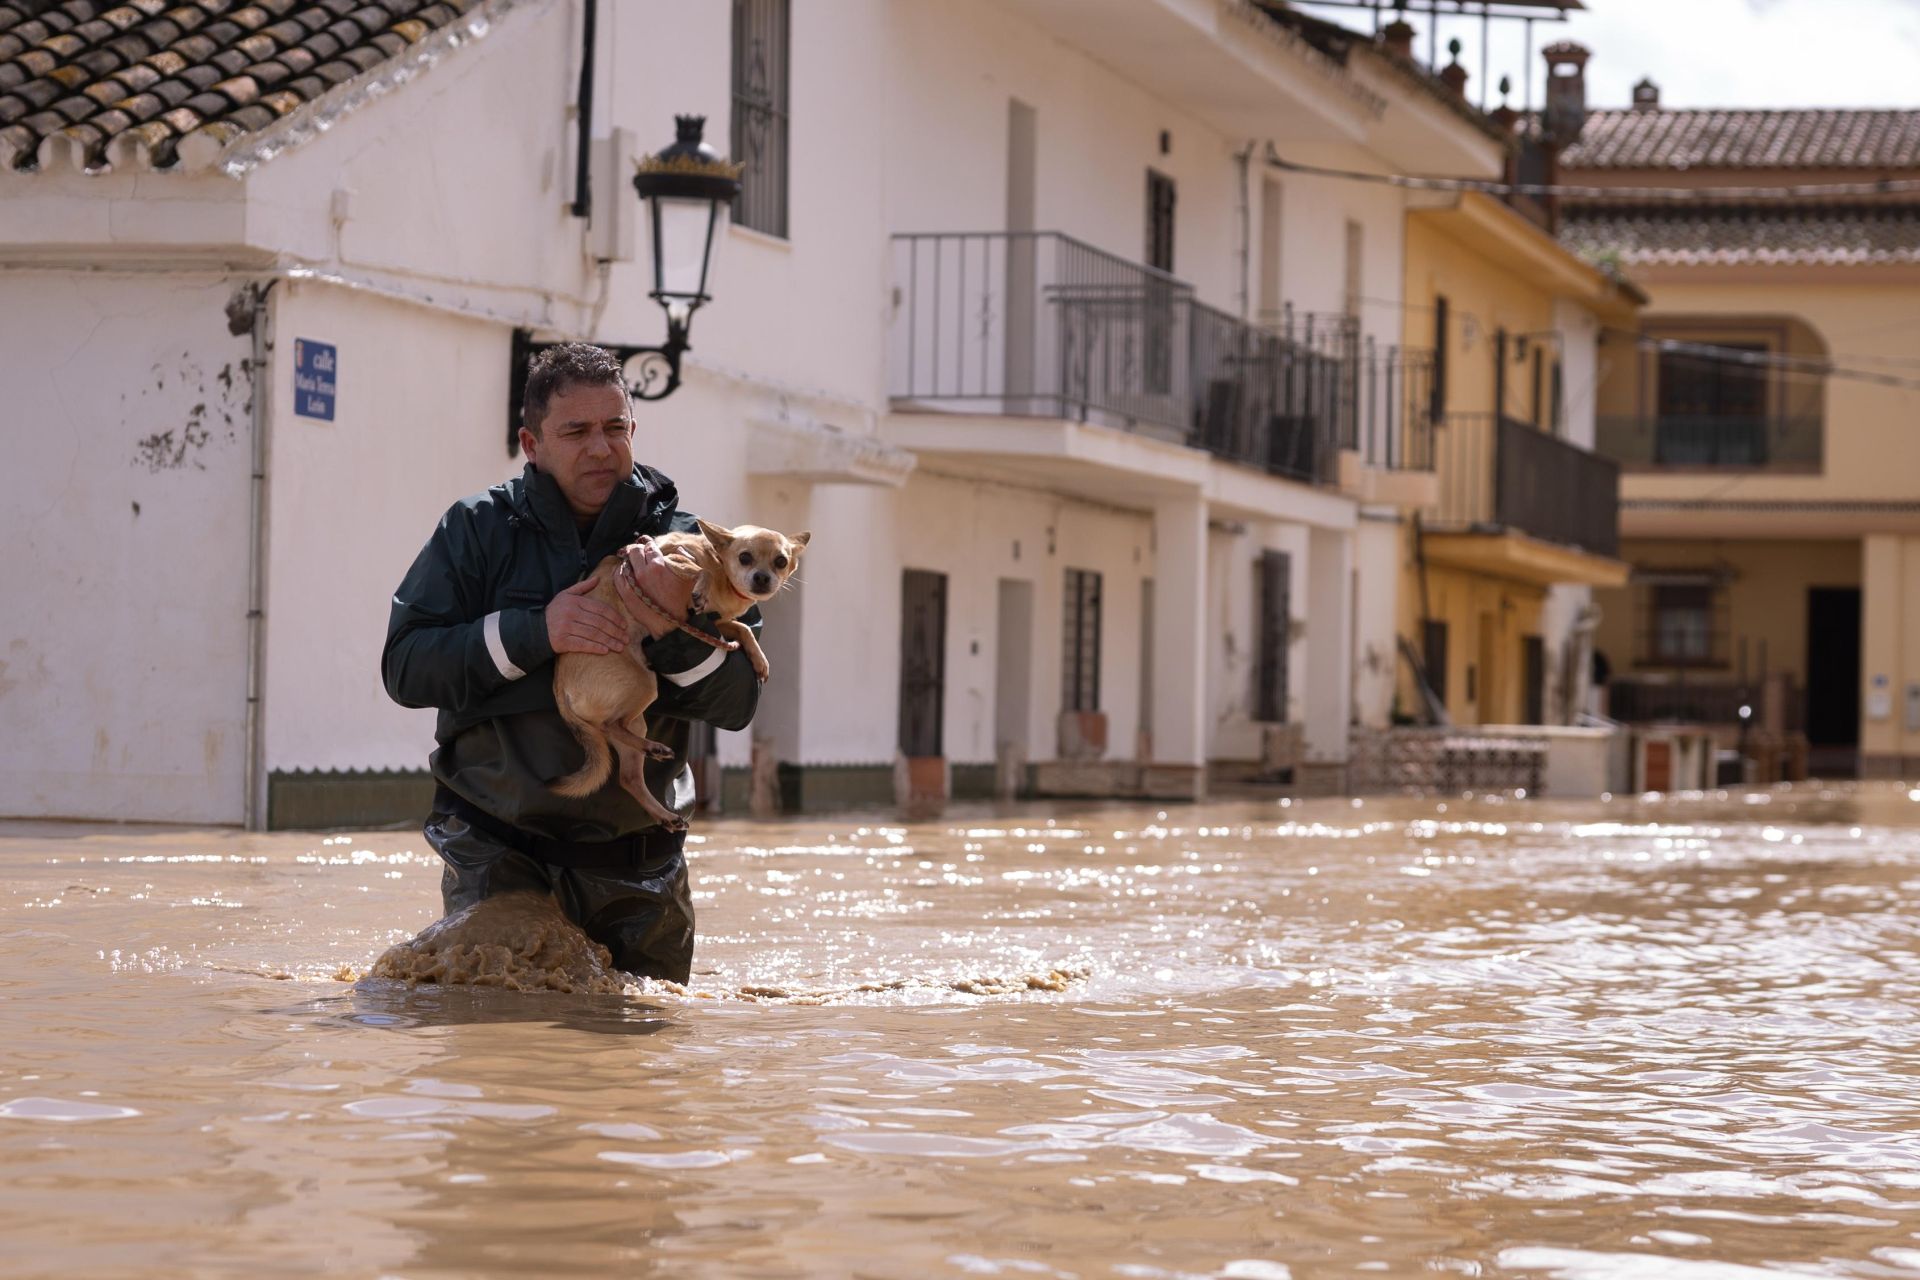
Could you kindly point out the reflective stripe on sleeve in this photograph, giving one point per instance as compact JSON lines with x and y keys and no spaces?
{"x":497,"y":649}
{"x":695,"y":674}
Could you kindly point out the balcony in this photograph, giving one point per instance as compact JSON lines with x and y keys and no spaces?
{"x":1384,"y":403}
{"x":1722,"y":442}
{"x":1040,"y":325}
{"x":1502,"y":476}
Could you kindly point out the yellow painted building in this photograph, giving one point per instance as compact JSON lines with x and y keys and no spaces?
{"x":1766,"y":414}
{"x":1496,"y":567}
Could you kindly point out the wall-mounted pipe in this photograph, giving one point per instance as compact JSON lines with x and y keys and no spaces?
{"x":583,"y":117}
{"x":248,"y":312}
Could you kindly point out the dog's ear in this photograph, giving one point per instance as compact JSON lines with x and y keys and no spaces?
{"x":800,"y":539}
{"x":713,"y":533}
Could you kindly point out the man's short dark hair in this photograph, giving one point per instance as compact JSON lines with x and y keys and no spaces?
{"x":569,"y":364}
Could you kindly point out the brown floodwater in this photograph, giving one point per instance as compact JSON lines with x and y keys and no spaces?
{"x":1481,"y":1037}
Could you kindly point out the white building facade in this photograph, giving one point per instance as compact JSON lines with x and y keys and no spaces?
{"x":1081,"y":521}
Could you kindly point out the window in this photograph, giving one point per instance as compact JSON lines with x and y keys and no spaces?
{"x":1440,"y":322}
{"x":1274,"y":603}
{"x":1157,"y":312}
{"x":1681,"y":623}
{"x":1539,"y":388}
{"x":1160,"y":201}
{"x":1080,"y":666}
{"x":1713,"y":410}
{"x":761,"y":30}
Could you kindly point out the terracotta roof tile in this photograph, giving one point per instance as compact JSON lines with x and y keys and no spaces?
{"x":1862,"y":234}
{"x":100,"y":82}
{"x":1806,"y":138}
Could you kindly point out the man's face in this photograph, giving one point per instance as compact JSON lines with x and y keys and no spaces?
{"x":585,"y":444}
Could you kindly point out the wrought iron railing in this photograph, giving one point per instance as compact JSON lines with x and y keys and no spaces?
{"x":1674,"y":698}
{"x":1497,"y":472}
{"x":1038,"y":324}
{"x":1383,"y":403}
{"x":1394,"y":418}
{"x":1734,"y":441}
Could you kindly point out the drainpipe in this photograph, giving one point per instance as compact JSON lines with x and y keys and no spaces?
{"x":248,"y":311}
{"x":1241,"y":158}
{"x":583,"y":118}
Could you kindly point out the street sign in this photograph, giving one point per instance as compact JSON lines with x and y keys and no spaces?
{"x":315,"y":377}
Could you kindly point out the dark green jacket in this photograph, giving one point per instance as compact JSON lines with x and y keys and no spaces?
{"x":468,"y":635}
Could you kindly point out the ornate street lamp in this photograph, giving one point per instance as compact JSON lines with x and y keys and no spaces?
{"x":687,"y":189}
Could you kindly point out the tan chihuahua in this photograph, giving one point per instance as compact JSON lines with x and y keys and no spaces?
{"x":604,"y":697}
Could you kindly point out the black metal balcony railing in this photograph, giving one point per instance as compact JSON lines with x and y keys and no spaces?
{"x":1383,"y":405}
{"x":1495,"y":471}
{"x":1655,"y":699}
{"x":1394,"y":426}
{"x":1746,"y":442}
{"x":1037,"y":324}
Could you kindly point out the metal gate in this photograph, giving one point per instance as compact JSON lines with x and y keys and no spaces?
{"x":923,"y":661}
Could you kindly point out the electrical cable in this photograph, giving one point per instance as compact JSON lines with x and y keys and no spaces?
{"x":1489,"y":186}
{"x":1835,"y":366}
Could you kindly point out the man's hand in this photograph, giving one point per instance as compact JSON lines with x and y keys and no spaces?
{"x":577,"y":623}
{"x":660,"y":583}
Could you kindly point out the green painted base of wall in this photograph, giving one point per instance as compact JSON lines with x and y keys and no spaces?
{"x":977,"y":781}
{"x":329,"y":799}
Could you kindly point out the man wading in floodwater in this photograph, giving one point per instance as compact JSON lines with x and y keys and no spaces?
{"x":490,"y":600}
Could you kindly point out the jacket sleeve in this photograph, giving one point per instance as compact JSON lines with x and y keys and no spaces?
{"x":446,"y":647}
{"x":699,"y":682}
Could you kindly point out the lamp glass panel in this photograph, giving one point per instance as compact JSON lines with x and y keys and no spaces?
{"x":684,"y":228}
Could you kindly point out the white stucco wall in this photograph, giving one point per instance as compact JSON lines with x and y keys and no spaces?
{"x":1376,"y":656}
{"x":123,"y":653}
{"x":419,"y":422}
{"x":1314,"y":213}
{"x":1579,"y":335}
{"x":1569,"y":671}
{"x":455,"y":182}
{"x":453,"y":188}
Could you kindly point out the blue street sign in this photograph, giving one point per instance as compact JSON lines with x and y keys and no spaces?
{"x":315,"y":377}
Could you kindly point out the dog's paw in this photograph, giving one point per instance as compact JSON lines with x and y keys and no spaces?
{"x":658,"y":750}
{"x":676,"y":824}
{"x":761,"y":669}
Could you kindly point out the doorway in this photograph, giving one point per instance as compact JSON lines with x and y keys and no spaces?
{"x":1833,"y":680}
{"x":923,"y":663}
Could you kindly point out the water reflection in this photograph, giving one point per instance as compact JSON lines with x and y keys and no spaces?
{"x":1666,"y":1037}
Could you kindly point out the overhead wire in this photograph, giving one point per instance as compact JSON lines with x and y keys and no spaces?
{"x":1491,"y":186}
{"x":1834,"y":366}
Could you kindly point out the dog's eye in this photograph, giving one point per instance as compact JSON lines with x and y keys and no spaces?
{"x":746,"y":557}
{"x":779,"y":562}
